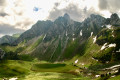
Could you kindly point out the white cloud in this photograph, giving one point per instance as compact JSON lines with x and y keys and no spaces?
{"x":15,"y":14}
{"x":21,"y":12}
{"x":20,"y":15}
{"x":111,"y":6}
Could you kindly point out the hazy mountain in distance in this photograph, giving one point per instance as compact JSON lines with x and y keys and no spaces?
{"x":8,"y":40}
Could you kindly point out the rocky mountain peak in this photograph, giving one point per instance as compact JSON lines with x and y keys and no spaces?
{"x":114,"y":16}
{"x":113,"y":20}
{"x":92,"y":20}
{"x":65,"y":19}
{"x":66,"y":16}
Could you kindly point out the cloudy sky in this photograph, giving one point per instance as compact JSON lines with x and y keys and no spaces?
{"x":16,"y":16}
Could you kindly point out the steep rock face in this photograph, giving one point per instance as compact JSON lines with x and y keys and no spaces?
{"x":66,"y":16}
{"x":2,"y":53}
{"x":92,"y":25}
{"x":56,"y":39}
{"x":7,"y":40}
{"x":60,"y":39}
{"x":37,"y":29}
{"x":113,"y":20}
{"x":99,"y":20}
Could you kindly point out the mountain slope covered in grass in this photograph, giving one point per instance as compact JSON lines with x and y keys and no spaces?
{"x":90,"y":48}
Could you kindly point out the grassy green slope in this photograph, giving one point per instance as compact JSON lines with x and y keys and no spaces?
{"x":16,"y":35}
{"x":70,"y":49}
{"x":89,"y":50}
{"x":115,"y":78}
{"x":85,"y":51}
{"x":34,"y":70}
{"x":37,"y":43}
{"x":13,"y":48}
{"x":14,"y":68}
{"x":57,"y":52}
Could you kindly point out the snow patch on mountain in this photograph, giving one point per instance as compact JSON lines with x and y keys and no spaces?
{"x":112,"y":67}
{"x":97,"y":75}
{"x":94,"y":39}
{"x":109,"y":26}
{"x":81,"y":33}
{"x":66,"y":33}
{"x":44,"y":37}
{"x":76,"y":61}
{"x":113,"y":36}
{"x":104,"y":46}
{"x":73,"y":39}
{"x":102,"y":26}
{"x":13,"y":79}
{"x":91,"y":34}
{"x":112,"y":45}
{"x":108,"y":46}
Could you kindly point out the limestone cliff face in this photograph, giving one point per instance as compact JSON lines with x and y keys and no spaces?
{"x":57,"y":36}
{"x":60,"y":26}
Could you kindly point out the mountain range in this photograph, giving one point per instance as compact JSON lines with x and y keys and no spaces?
{"x":65,"y":49}
{"x":65,"y":38}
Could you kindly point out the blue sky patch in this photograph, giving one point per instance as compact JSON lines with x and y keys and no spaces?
{"x":36,"y":9}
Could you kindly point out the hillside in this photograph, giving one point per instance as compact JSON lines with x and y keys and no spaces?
{"x":8,"y":40}
{"x":58,"y":40}
{"x":87,"y":49}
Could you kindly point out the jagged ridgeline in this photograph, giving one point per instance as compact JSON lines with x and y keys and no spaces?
{"x":65,"y":38}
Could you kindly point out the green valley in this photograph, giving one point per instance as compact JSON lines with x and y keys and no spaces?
{"x":63,"y":49}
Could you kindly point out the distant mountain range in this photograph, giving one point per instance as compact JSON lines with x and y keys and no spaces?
{"x":8,"y":40}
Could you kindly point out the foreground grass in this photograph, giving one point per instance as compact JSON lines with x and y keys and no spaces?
{"x":115,"y":78}
{"x":58,"y":67}
{"x":42,"y":71}
{"x":50,"y":76}
{"x":14,"y":68}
